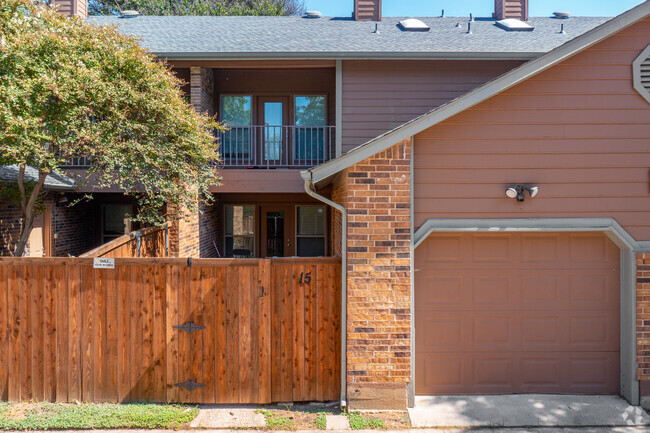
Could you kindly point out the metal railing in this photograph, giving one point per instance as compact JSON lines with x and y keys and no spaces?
{"x":276,"y":146}
{"x":81,"y":162}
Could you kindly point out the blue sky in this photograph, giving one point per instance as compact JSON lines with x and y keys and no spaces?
{"x":477,"y":7}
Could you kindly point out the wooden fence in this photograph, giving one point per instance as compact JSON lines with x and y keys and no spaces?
{"x":170,"y":330}
{"x":147,"y":242}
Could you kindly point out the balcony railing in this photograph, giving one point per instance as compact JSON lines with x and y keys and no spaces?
{"x":82,"y":162}
{"x":265,"y":147}
{"x":276,"y":146}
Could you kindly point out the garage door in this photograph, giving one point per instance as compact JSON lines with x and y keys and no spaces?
{"x":500,"y":313}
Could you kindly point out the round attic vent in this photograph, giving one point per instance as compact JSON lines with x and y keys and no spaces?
{"x":313,"y":14}
{"x":129,"y":14}
{"x":561,"y":15}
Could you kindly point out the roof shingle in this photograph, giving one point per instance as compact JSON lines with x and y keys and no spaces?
{"x":255,"y":36}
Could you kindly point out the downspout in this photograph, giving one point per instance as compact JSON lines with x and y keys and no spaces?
{"x":306,"y":175}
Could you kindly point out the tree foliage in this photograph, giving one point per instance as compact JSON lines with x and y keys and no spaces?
{"x":198,"y":7}
{"x":72,"y":89}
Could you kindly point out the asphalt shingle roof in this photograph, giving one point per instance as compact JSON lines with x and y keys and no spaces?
{"x":53,"y":181}
{"x":252,"y":36}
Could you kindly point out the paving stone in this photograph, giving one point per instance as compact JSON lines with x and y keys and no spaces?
{"x":337,"y":422}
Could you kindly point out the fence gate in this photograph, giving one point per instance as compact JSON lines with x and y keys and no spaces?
{"x":222,"y":334}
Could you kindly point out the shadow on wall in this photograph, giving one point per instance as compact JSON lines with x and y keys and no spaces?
{"x":526,"y":410}
{"x":10,"y":225}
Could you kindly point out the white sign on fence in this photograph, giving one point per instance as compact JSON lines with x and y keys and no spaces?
{"x":104,"y":263}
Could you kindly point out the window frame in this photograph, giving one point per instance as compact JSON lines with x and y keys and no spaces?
{"x":225,"y":228}
{"x":325,"y":234}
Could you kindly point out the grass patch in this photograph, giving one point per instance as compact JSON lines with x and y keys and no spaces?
{"x":48,"y":416}
{"x":360,"y":422}
{"x":320,"y":422}
{"x":277,"y":422}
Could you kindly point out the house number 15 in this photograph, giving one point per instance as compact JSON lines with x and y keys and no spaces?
{"x":305,"y":278}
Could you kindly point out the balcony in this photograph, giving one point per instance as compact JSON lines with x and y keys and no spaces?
{"x":276,"y":147}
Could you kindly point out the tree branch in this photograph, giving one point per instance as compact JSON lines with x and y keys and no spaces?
{"x":21,"y":187}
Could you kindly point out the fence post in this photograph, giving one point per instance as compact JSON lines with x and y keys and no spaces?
{"x":265,"y":280}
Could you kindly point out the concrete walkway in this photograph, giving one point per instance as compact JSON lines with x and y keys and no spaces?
{"x":530,"y":410}
{"x":225,"y":417}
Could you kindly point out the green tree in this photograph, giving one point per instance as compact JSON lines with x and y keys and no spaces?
{"x":198,"y":7}
{"x":72,"y":89}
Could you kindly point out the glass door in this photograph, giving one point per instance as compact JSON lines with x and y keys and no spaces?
{"x":273,"y":113}
{"x":278,"y":231}
{"x":115,"y":221}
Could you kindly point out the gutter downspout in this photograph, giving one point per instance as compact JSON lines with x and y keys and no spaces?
{"x":306,"y":175}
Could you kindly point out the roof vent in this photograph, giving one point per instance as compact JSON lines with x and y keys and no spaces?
{"x":313,"y":14}
{"x":129,"y":14}
{"x":641,"y":73}
{"x":561,"y":15}
{"x":414,"y":25}
{"x":514,"y":25}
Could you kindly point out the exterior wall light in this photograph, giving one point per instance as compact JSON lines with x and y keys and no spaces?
{"x":517,"y":191}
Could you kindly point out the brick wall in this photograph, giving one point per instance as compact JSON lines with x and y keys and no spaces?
{"x":10,"y":226}
{"x":208,"y":223}
{"x":184,"y":238}
{"x":75,"y":227}
{"x":376,"y":193}
{"x":643,"y":321}
{"x":202,"y":89}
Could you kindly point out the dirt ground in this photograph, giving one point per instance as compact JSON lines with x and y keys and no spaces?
{"x":303,"y":417}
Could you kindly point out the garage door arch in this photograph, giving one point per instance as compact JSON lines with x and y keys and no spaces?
{"x":627,"y":245}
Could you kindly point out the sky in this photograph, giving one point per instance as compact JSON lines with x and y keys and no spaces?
{"x":480,"y":8}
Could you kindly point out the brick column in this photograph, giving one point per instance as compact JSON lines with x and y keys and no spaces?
{"x":376,"y":193}
{"x":193,"y":235}
{"x":202,"y":90}
{"x":643,"y":325}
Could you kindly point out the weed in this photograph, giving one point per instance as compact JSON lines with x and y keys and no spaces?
{"x":277,"y":422}
{"x":320,"y":422}
{"x":360,"y":422}
{"x":48,"y":416}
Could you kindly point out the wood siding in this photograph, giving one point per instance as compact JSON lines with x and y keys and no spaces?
{"x":381,"y":95}
{"x":78,"y":333}
{"x":578,"y":130}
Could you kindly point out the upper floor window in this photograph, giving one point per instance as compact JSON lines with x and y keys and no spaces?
{"x":237,"y":114}
{"x":310,"y":137}
{"x":236,"y":110}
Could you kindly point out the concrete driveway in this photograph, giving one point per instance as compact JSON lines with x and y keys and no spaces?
{"x":526,"y":410}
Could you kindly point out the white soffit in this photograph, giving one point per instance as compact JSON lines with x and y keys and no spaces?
{"x":414,"y":25}
{"x":514,"y":25}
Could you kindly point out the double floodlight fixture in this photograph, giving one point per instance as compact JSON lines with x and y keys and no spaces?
{"x":517,"y":191}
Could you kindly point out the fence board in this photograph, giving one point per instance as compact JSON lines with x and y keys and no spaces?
{"x":4,"y":332}
{"x":71,"y":332}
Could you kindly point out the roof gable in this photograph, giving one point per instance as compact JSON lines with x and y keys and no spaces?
{"x":324,"y":172}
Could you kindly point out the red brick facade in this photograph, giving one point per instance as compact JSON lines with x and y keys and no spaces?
{"x":376,"y":194}
{"x":643,"y":316}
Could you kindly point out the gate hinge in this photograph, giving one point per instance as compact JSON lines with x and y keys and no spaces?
{"x":190,"y":327}
{"x":190,"y":385}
